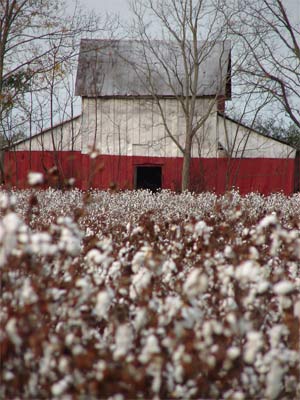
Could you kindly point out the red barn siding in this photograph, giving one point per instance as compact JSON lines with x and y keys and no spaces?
{"x":264,"y":175}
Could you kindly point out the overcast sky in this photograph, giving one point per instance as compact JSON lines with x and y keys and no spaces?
{"x":103,"y":6}
{"x":121,"y":6}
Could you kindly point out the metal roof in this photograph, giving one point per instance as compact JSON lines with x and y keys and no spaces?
{"x":136,"y":68}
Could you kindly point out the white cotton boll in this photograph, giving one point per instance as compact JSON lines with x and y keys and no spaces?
{"x":267,"y":221}
{"x":140,"y":281}
{"x":238,"y":396}
{"x":69,"y":242}
{"x":140,"y":258}
{"x":274,"y":381}
{"x":140,"y":318}
{"x":253,"y":253}
{"x":245,"y":232}
{"x":285,"y":302}
{"x":172,"y":305}
{"x":123,"y":341}
{"x":70,"y":339}
{"x":8,"y":376}
{"x":233,"y":352}
{"x":248,"y":271}
{"x":100,"y":367}
{"x":137,"y":230}
{"x":11,"y":222}
{"x":275,"y":334}
{"x":283,"y":287}
{"x":35,"y":178}
{"x":40,"y":244}
{"x":115,"y":270}
{"x":58,"y":388}
{"x":151,"y":347}
{"x":262,"y":287}
{"x":12,"y":332}
{"x":196,"y":283}
{"x":253,"y":345}
{"x":94,"y":256}
{"x":297,"y":309}
{"x":228,"y":252}
{"x":82,"y":283}
{"x":63,"y":364}
{"x":103,"y":303}
{"x":169,"y":266}
{"x":201,"y":229}
{"x":6,"y":200}
{"x":27,"y":294}
{"x":231,"y":318}
{"x":191,"y":315}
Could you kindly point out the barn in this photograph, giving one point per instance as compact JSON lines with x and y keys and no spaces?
{"x":122,"y":137}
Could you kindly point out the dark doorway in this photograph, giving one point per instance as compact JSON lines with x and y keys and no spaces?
{"x":148,"y":178}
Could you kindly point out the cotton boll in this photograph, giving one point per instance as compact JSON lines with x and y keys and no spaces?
{"x":140,"y":281}
{"x":274,"y":381}
{"x":103,"y":303}
{"x":35,"y":178}
{"x":201,"y":229}
{"x":233,"y":352}
{"x":262,"y":287}
{"x":228,"y":252}
{"x":12,"y":332}
{"x":297,"y":309}
{"x":94,"y":256}
{"x":41,"y":244}
{"x":27,"y":294}
{"x":60,"y":387}
{"x":140,"y":319}
{"x":253,"y":345}
{"x":267,"y":221}
{"x":248,"y":271}
{"x":151,"y":347}
{"x":196,"y":283}
{"x":253,"y":253}
{"x":123,"y":341}
{"x":7,"y":200}
{"x":283,"y":287}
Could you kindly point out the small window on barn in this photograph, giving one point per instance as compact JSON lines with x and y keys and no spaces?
{"x":222,"y":152}
{"x":148,"y":177}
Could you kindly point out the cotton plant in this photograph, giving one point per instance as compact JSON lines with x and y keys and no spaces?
{"x":142,"y":295}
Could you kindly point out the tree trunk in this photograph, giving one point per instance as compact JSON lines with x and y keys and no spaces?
{"x":186,"y":167}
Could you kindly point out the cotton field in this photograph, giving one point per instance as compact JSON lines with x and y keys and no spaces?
{"x":149,"y":296}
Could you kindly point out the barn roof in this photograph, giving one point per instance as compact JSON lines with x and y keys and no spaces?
{"x":130,"y":68}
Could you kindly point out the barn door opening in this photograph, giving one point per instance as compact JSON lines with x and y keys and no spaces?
{"x":147,"y":177}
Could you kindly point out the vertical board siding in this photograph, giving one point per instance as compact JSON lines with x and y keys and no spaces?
{"x":264,"y":175}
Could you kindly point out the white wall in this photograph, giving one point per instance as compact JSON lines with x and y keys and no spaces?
{"x":66,"y":137}
{"x":135,"y":127}
{"x":240,"y":141}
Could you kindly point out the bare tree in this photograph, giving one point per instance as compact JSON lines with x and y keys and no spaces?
{"x":30,"y":31}
{"x":268,"y":49}
{"x":190,"y":64}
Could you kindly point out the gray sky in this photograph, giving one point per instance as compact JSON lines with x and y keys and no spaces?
{"x":102,"y":6}
{"x":121,"y":6}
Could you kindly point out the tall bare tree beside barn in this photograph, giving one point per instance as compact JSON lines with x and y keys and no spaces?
{"x":38,"y":48}
{"x":191,"y":61}
{"x":267,"y":33}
